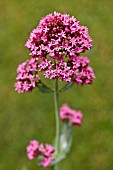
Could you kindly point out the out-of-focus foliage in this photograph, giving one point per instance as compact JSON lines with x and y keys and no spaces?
{"x":31,"y":116}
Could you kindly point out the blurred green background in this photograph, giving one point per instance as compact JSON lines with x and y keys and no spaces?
{"x":31,"y":116}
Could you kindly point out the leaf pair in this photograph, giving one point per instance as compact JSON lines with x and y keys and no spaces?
{"x":45,"y":89}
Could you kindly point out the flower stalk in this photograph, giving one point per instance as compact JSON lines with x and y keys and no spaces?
{"x":56,"y":104}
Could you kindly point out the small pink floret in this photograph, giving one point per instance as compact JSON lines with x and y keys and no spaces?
{"x":46,"y":162}
{"x":49,"y":150}
{"x":32,"y":149}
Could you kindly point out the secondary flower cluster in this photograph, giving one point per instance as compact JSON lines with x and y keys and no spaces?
{"x":27,"y":76}
{"x":73,"y":116}
{"x":34,"y":149}
{"x":76,"y":70}
{"x":55,"y":46}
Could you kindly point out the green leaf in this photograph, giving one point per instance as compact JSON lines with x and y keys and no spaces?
{"x":58,"y":158}
{"x":65,"y":143}
{"x":40,"y":158}
{"x":66,"y":138}
{"x":66,"y":87}
{"x":44,"y":89}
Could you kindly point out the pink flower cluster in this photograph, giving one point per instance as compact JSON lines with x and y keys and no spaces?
{"x":34,"y":149}
{"x":58,"y":36}
{"x":27,"y":76}
{"x":73,"y":116}
{"x":76,"y":70}
{"x":55,"y":46}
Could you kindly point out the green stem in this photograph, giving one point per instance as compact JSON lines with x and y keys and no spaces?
{"x":56,"y":167}
{"x":56,"y":103}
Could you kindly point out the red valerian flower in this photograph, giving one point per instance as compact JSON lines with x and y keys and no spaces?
{"x":55,"y":46}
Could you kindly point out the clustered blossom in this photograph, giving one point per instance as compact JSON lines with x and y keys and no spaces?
{"x":58,"y":36}
{"x":34,"y":149}
{"x":76,"y":70}
{"x":55,"y":46}
{"x":27,"y":76}
{"x":73,"y":116}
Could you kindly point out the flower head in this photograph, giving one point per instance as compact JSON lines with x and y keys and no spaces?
{"x":58,"y":35}
{"x":55,"y":46}
{"x":27,"y":76}
{"x":73,"y":116}
{"x":34,"y":149}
